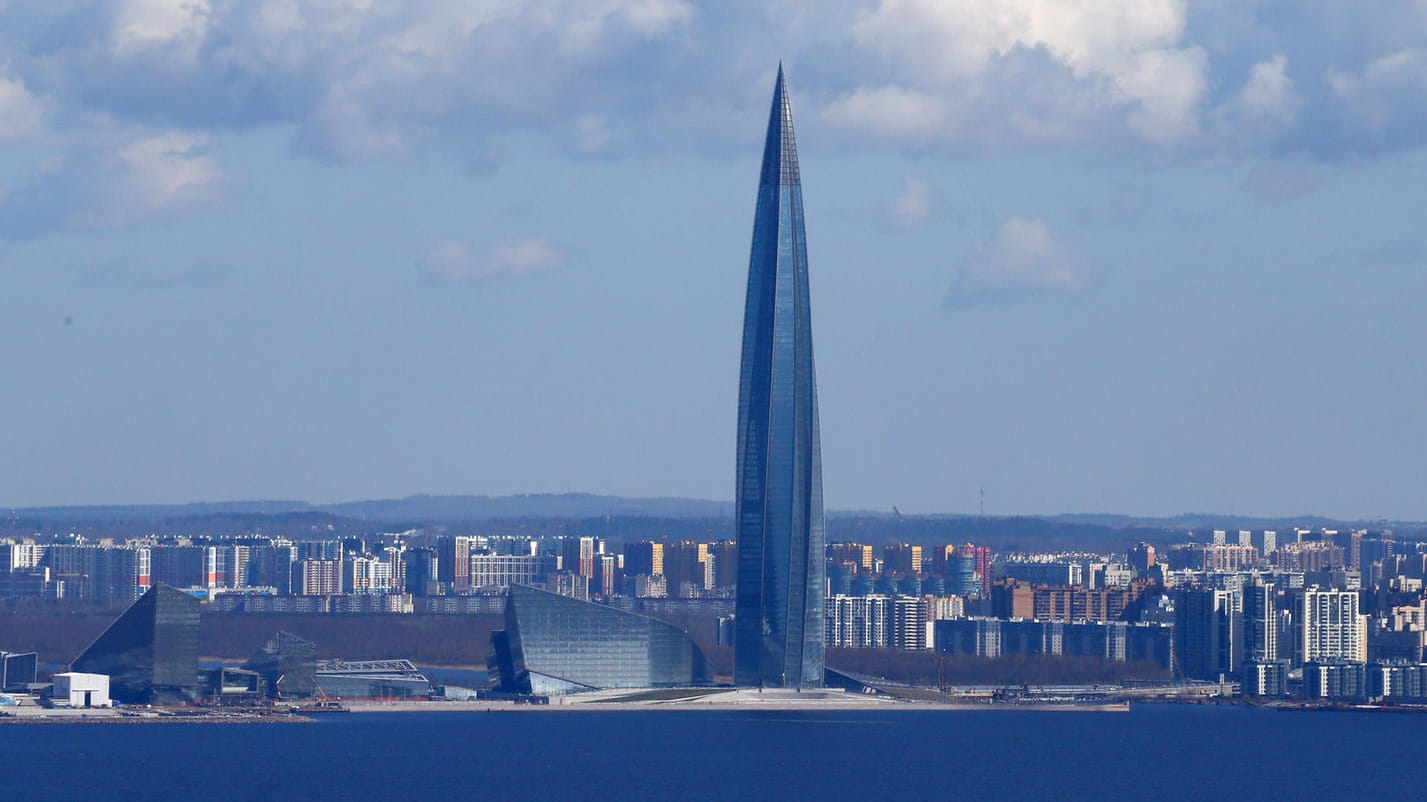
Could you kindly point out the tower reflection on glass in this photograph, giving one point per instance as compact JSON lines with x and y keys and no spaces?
{"x":778,"y":625}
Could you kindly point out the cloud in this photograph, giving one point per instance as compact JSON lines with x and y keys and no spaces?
{"x":145,"y":24}
{"x":910,"y":209}
{"x":455,"y":262}
{"x":85,"y":188}
{"x":1123,"y":59}
{"x":1020,"y":262}
{"x":20,"y":112}
{"x":168,"y":169}
{"x":1384,"y":99}
{"x":1265,"y":107}
{"x":356,"y":80}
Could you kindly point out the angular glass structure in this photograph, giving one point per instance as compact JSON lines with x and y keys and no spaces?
{"x":150,"y":653}
{"x":287,"y":666}
{"x":778,"y":624}
{"x":555,"y":644}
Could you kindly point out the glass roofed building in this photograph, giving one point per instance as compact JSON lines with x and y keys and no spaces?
{"x":150,"y":653}
{"x":554,"y":644}
{"x":288,"y":668}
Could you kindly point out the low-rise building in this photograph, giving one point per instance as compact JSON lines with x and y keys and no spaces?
{"x":77,"y":689}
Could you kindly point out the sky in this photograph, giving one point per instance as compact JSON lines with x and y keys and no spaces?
{"x":1133,"y":256}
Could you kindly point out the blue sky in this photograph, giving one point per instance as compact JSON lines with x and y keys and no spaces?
{"x":1139,"y":256}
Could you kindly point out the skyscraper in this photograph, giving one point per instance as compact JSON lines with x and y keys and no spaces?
{"x":778,"y":638}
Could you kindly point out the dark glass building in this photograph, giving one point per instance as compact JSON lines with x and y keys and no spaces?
{"x":778,"y":627}
{"x":150,"y":653}
{"x":17,"y":671}
{"x":555,"y":644}
{"x":287,"y":666}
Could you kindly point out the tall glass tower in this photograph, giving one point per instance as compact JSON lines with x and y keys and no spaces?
{"x":778,"y":627}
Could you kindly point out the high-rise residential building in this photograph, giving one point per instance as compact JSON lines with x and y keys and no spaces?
{"x":607,"y":576}
{"x":1268,"y":542}
{"x":270,"y":565}
{"x":366,"y":574}
{"x":688,"y":568}
{"x":644,"y":557}
{"x":857,"y":621}
{"x":1141,"y":558}
{"x":1228,"y":557}
{"x":725,"y":557}
{"x":421,"y":567}
{"x":101,"y":573}
{"x":778,"y":639}
{"x":1331,"y":626}
{"x":1261,"y":622}
{"x":20,"y":556}
{"x":902,"y":558}
{"x":179,"y":565}
{"x":1309,"y":555}
{"x":318,"y":577}
{"x":501,"y":571}
{"x":981,"y":561}
{"x":1060,"y":574}
{"x":577,"y":555}
{"x":1208,"y":630}
{"x":856,"y":553}
{"x":453,"y":561}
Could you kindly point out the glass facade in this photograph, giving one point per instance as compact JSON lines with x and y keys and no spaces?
{"x":555,"y":644}
{"x":17,"y":671}
{"x":287,"y":666}
{"x":778,"y":627}
{"x":150,"y":653}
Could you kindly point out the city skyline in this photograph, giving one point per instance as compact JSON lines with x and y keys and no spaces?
{"x":1142,"y":257}
{"x":778,"y":634}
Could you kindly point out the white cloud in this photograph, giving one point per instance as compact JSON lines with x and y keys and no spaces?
{"x":142,"y":24}
{"x":1265,"y":108}
{"x":1127,"y":56}
{"x":453,"y":262}
{"x":1269,"y":91}
{"x":1021,"y":261}
{"x":892,"y":112}
{"x":359,"y":80}
{"x":96,"y":186}
{"x":169,"y":169}
{"x":959,"y":38}
{"x":1168,"y":86}
{"x":20,"y":111}
{"x":1387,"y":89}
{"x":656,"y":17}
{"x":910,"y":209}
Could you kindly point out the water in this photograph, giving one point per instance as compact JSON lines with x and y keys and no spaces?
{"x":1152,"y":752}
